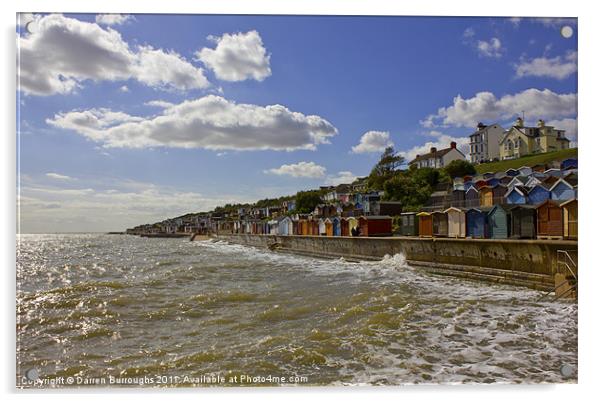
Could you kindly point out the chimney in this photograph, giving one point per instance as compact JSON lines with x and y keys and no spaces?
{"x":541,"y":123}
{"x":417,"y":156}
{"x":480,"y":126}
{"x":452,"y":144}
{"x":433,"y":150}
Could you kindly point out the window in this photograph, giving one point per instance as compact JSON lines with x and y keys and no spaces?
{"x":517,"y":144}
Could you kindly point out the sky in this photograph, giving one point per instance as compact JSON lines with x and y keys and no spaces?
{"x":131,"y":119}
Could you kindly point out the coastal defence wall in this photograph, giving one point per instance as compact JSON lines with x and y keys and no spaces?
{"x":530,"y":263}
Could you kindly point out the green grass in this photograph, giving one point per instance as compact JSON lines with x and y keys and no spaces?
{"x":526,"y":161}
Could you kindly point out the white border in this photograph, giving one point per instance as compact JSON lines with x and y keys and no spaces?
{"x":590,"y":141}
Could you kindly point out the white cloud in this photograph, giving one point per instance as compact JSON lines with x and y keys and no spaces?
{"x":112,"y":19}
{"x":65,"y":52}
{"x":344,"y":177}
{"x":301,"y":169}
{"x":441,"y":141}
{"x":568,"y":124}
{"x":485,"y":106}
{"x":491,"y":48}
{"x":210,"y":122}
{"x":124,"y":88}
{"x":237,"y":57}
{"x":554,"y":22}
{"x":373,"y":141}
{"x":557,"y":67}
{"x":159,"y":103}
{"x":468,"y":33}
{"x":58,"y":176}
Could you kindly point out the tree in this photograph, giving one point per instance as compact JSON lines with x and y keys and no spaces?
{"x":460,"y":168}
{"x":306,"y":201}
{"x":384,"y":169}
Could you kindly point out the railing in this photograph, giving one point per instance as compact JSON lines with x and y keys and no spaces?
{"x":564,"y":260}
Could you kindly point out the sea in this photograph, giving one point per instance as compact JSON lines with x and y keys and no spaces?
{"x":97,"y":310}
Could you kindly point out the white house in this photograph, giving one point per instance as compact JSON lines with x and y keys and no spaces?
{"x":438,"y":158}
{"x":485,"y":143}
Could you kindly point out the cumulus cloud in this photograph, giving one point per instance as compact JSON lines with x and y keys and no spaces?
{"x":237,"y":57}
{"x":112,"y":19}
{"x":344,"y":177}
{"x":490,"y":48}
{"x":301,"y":169}
{"x":556,"y":67}
{"x":64,"y":52}
{"x":210,"y":122}
{"x":440,"y":141}
{"x":58,"y":176}
{"x":485,"y":106}
{"x":373,"y":141}
{"x":124,"y":88}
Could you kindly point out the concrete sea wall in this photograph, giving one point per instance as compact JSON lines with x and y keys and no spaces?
{"x":530,"y":263}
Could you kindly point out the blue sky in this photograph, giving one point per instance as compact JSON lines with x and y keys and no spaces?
{"x":95,"y":156}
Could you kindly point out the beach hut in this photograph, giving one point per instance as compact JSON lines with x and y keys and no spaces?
{"x":456,"y":222}
{"x":352,"y":223}
{"x":376,"y":225}
{"x":425,"y":224}
{"x":328,"y":229}
{"x":569,"y":163}
{"x":273,"y":227}
{"x":467,"y":185}
{"x":549,"y":220}
{"x":476,"y":223}
{"x":505,"y":180}
{"x":486,"y":196}
{"x":336,"y":226}
{"x":471,"y":198}
{"x":440,"y":227}
{"x":285,"y":226}
{"x":499,"y":191}
{"x":321,"y":227}
{"x":525,"y":171}
{"x":569,"y":217}
{"x":479,"y":184}
{"x":408,"y":224}
{"x":303,"y":227}
{"x":457,"y":198}
{"x":538,"y":168}
{"x":539,"y":194}
{"x":518,"y":181}
{"x":523,"y":221}
{"x":498,"y":222}
{"x":562,"y":190}
{"x":517,"y":195}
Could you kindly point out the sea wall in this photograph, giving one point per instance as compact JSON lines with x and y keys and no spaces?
{"x":530,"y":263}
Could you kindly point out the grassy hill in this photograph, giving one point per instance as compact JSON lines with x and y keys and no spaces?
{"x":526,"y":161}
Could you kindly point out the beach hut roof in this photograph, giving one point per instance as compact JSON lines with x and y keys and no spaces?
{"x":375,"y":217}
{"x":553,"y":186}
{"x":423,"y":213}
{"x":522,"y":190}
{"x":524,"y":206}
{"x":568,"y":202}
{"x":480,"y":209}
{"x":408,"y":213}
{"x":456,"y":209}
{"x":505,"y":207}
{"x":548,"y":201}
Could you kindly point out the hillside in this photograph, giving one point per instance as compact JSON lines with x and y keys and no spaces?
{"x":526,"y":161}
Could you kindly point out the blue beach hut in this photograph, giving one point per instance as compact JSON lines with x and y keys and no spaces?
{"x":476,"y":223}
{"x":562,"y":191}
{"x":539,"y":194}
{"x":517,"y":195}
{"x":498,"y":222}
{"x":336,"y":226}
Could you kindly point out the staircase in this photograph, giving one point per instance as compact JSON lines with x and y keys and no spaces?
{"x":565,"y":275}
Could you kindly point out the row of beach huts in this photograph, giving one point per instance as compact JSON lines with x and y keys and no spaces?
{"x":525,"y":203}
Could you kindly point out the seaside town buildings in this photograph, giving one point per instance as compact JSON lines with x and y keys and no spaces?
{"x":526,"y":202}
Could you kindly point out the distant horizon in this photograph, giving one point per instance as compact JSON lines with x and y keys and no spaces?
{"x":123,"y":124}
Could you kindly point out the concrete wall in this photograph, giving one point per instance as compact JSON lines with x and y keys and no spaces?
{"x":529,"y":263}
